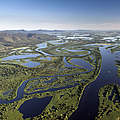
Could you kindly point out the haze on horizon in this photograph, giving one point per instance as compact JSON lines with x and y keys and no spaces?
{"x":59,"y":14}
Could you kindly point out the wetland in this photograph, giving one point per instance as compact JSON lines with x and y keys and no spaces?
{"x":60,"y":79}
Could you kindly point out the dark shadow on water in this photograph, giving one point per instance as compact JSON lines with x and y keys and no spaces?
{"x":34,"y":107}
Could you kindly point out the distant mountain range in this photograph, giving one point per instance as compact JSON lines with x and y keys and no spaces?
{"x":54,"y":32}
{"x":22,"y":38}
{"x":42,"y":31}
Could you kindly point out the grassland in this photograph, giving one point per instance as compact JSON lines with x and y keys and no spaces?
{"x":109,"y":103}
{"x":64,"y":101}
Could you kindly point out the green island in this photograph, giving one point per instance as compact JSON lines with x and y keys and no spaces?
{"x":65,"y":99}
{"x":60,"y":68}
{"x":109,"y":103}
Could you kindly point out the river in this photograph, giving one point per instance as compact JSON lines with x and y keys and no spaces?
{"x":88,"y":105}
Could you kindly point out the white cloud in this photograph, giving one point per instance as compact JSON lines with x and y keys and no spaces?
{"x":30,"y":26}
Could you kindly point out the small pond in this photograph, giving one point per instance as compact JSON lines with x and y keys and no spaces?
{"x":34,"y":106}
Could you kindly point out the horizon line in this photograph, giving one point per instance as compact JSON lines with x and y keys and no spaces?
{"x":60,"y":29}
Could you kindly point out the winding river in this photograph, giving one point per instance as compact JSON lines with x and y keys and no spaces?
{"x":21,"y":93}
{"x":88,"y":105}
{"x":20,"y":90}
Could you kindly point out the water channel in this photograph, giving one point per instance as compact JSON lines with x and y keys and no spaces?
{"x":88,"y":105}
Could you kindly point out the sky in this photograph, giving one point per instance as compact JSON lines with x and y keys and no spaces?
{"x":60,"y":14}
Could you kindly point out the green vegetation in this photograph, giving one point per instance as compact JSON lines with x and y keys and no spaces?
{"x":65,"y":101}
{"x":62,"y":105}
{"x":109,"y":103}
